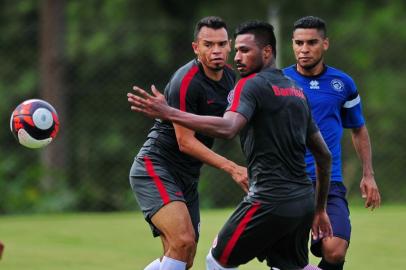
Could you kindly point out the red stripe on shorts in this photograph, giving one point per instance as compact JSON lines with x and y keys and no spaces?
{"x":158,"y":182}
{"x":237,"y":233}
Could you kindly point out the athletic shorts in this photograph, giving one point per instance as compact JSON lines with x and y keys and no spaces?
{"x":339,"y":214}
{"x":278,"y":233}
{"x":155,"y":185}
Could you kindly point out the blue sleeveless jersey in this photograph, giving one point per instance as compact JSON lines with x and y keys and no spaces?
{"x":335,"y":104}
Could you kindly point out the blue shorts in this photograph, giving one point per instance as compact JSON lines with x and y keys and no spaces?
{"x":339,"y":214}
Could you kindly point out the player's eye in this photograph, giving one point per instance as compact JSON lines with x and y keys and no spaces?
{"x":208,"y":45}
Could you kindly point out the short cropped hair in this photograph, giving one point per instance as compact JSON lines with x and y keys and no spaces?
{"x":312,"y":22}
{"x":212,"y":22}
{"x":263,"y":33}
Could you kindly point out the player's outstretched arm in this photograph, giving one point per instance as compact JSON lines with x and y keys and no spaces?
{"x":155,"y":106}
{"x":321,"y":223}
{"x":368,"y":186}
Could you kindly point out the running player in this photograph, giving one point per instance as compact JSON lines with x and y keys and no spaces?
{"x":335,"y":103}
{"x":272,"y":115}
{"x":165,"y":173}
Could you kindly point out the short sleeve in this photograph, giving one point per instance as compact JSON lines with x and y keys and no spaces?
{"x":182,"y":92}
{"x":351,"y":111}
{"x":242,"y":98}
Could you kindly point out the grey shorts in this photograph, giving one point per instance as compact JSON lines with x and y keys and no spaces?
{"x":155,"y":184}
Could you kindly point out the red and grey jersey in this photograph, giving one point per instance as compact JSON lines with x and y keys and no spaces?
{"x":274,"y":139}
{"x":192,"y":91}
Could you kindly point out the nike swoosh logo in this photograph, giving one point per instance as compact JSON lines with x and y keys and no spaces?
{"x":210,"y":101}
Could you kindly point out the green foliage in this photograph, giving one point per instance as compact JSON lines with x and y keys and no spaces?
{"x":111,"y":45}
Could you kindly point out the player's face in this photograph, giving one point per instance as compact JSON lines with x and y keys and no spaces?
{"x":212,"y":47}
{"x":309,"y":47}
{"x":248,"y":56}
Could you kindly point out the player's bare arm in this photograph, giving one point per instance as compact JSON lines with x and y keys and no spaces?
{"x":155,"y":106}
{"x":368,"y":186}
{"x":321,"y":224}
{"x":188,"y":144}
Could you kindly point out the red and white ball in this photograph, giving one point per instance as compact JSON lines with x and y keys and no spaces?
{"x":34,"y":123}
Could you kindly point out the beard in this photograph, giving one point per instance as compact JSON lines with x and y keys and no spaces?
{"x":216,"y":67}
{"x":311,"y":66}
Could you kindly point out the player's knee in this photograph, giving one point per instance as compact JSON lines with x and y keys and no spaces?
{"x":185,"y":244}
{"x":191,"y":258}
{"x":213,"y":264}
{"x":335,"y":256}
{"x":189,"y":264}
{"x":334,"y":251}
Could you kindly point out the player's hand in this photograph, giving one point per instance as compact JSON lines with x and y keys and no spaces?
{"x":240,"y":176}
{"x":370,"y":192}
{"x":321,"y":225}
{"x":152,"y":106}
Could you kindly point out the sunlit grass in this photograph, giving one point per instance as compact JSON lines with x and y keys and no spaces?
{"x":123,"y":241}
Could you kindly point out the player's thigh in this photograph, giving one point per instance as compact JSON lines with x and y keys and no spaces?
{"x":173,"y":221}
{"x":253,"y":230}
{"x":243,"y":235}
{"x":154,"y":187}
{"x":338,"y":211}
{"x":339,"y":214}
{"x":291,"y":251}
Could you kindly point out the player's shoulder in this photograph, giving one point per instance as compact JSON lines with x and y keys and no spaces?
{"x":289,"y":70}
{"x":185,"y":77}
{"x":247,"y":81}
{"x":189,"y":70}
{"x":339,"y":79}
{"x":338,"y":73}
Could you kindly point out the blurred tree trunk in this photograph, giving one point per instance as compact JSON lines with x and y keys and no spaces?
{"x":53,"y":89}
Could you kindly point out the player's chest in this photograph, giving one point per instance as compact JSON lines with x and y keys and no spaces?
{"x":213,"y":100}
{"x":322,"y":93}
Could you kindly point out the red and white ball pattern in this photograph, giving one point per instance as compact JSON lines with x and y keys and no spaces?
{"x":34,"y":123}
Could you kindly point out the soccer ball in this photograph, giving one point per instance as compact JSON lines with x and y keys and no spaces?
{"x":34,"y":123}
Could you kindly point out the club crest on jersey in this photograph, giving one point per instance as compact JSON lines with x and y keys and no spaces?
{"x":230,"y":96}
{"x":337,"y":85}
{"x":314,"y":84}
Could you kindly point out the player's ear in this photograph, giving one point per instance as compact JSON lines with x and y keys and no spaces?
{"x":229,"y":45}
{"x":267,"y":51}
{"x":326,"y":44}
{"x":195,"y":47}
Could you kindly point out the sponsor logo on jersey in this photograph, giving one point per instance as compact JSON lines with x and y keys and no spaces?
{"x":337,"y":85}
{"x":284,"y":92}
{"x":314,"y":84}
{"x":230,"y":96}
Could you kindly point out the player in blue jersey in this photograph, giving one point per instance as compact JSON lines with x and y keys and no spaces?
{"x":335,"y":104}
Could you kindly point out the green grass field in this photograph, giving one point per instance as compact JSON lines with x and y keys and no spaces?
{"x":123,"y":241}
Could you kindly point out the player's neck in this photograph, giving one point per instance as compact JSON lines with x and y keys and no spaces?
{"x":315,"y":71}
{"x":214,"y":75}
